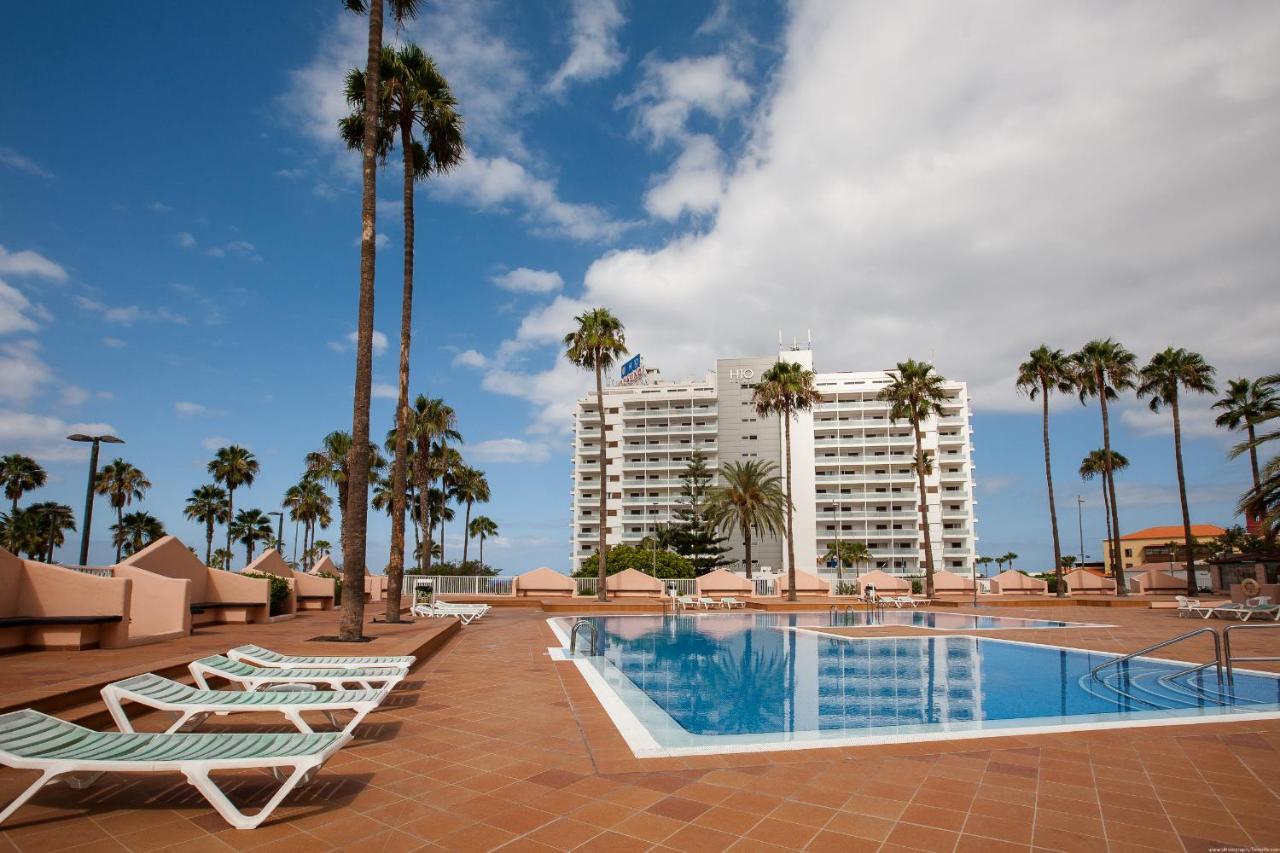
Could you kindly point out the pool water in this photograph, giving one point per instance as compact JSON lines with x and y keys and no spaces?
{"x":937,"y":621}
{"x":679,"y":684}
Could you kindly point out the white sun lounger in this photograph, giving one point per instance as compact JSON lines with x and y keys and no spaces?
{"x":30,"y":740}
{"x":478,"y":609}
{"x":193,"y":705}
{"x":258,"y":656}
{"x":901,"y":600}
{"x":1192,"y":607}
{"x":730,"y":602}
{"x":432,"y":611}
{"x":707,"y":603}
{"x":254,"y":677}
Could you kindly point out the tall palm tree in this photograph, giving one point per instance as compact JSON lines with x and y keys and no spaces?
{"x":1044,"y":372}
{"x":135,"y":531}
{"x":595,"y":345}
{"x":355,"y":509}
{"x":1246,"y":404}
{"x":915,"y":394}
{"x":55,"y":520}
{"x":439,"y":512}
{"x":310,"y":504}
{"x":23,"y":532}
{"x":20,"y":474}
{"x":233,"y":466}
{"x":785,"y":390}
{"x":482,"y":527}
{"x":1170,"y":371}
{"x":222,"y":557}
{"x":208,"y":506}
{"x":846,"y":552}
{"x":432,"y":423}
{"x":750,"y":500}
{"x":1100,"y":463}
{"x":471,"y":487}
{"x":447,"y":463}
{"x":414,"y":96}
{"x":332,"y":464}
{"x":122,"y":483}
{"x":250,"y":527}
{"x":984,"y":562}
{"x":1102,"y":369}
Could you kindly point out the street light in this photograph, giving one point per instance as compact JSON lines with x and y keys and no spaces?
{"x":279,"y":532}
{"x":95,"y":440}
{"x":1080,"y":525}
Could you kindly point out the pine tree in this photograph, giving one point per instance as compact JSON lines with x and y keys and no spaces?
{"x":693,"y":534}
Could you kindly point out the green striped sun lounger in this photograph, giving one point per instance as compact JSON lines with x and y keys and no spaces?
{"x":256,"y":677}
{"x":193,"y":705}
{"x":30,"y":740}
{"x":258,"y":656}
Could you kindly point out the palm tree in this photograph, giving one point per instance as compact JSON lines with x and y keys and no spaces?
{"x":1066,"y":562}
{"x":20,"y":474}
{"x":250,"y":527}
{"x":446,"y":462}
{"x":309,"y":503}
{"x":208,"y":506}
{"x":415,"y":95}
{"x":483,"y":527}
{"x":356,"y":508}
{"x":123,"y":484}
{"x":1246,"y":404}
{"x":54,"y":519}
{"x":1169,"y":372}
{"x":785,"y":390}
{"x":750,"y":501}
{"x":332,"y":464}
{"x":984,"y":562}
{"x":135,"y":531}
{"x":915,"y":394}
{"x":1042,"y":373}
{"x":846,"y":552}
{"x":470,"y":487}
{"x":1100,"y":463}
{"x":23,"y":532}
{"x":233,"y":466}
{"x":1102,"y":369}
{"x":222,"y":557}
{"x":1009,"y":558}
{"x":596,"y":344}
{"x":432,"y":424}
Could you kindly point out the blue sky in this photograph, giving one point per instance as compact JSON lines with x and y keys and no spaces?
{"x":178,"y":227}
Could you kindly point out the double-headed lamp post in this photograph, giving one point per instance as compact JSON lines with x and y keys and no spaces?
{"x":95,"y":440}
{"x":279,"y":532}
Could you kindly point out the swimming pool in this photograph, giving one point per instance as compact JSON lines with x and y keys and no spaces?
{"x":933,"y":620}
{"x":702,"y":684}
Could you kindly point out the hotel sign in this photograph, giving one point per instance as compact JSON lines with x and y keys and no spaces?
{"x":631,"y":372}
{"x":742,"y":373}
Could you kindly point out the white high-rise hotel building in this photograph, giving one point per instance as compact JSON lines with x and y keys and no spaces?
{"x":853,"y":477}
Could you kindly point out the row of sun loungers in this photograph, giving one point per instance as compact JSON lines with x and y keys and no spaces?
{"x":1259,"y":606}
{"x":707,"y":603}
{"x":468,"y":613}
{"x":271,"y":682}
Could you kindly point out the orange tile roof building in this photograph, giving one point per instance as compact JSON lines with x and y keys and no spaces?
{"x":1161,"y":544}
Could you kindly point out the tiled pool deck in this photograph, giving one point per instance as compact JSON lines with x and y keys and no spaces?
{"x":490,"y":745}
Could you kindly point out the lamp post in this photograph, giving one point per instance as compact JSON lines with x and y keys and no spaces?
{"x":95,"y":440}
{"x":279,"y":532}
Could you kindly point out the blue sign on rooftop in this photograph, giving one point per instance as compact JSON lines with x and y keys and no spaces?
{"x":630,"y":367}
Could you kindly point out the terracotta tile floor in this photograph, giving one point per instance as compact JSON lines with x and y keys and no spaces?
{"x":491,"y":745}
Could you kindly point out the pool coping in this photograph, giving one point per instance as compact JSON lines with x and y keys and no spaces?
{"x":643,"y":744}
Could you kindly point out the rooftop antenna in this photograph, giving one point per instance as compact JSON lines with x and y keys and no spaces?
{"x":809,"y":334}
{"x":779,"y":339}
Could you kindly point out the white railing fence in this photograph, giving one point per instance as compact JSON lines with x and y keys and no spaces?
{"x":96,"y":571}
{"x":586,"y":586}
{"x":764,"y":586}
{"x":459,"y":584}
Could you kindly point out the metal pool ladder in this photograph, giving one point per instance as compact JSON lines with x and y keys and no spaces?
{"x":1226,"y":647}
{"x":1216,"y":662}
{"x":595,"y":636}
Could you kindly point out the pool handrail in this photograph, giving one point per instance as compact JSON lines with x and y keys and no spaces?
{"x":1229,"y":660}
{"x":595,"y":636}
{"x":1217,"y":654}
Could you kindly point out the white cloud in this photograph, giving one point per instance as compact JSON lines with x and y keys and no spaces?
{"x":29,"y":263}
{"x":385,"y":391}
{"x":235,"y":248}
{"x":73,"y":395}
{"x":215,"y":442}
{"x":17,"y":313}
{"x":45,"y":437}
{"x":594,"y":38}
{"x":187,"y":409}
{"x":673,"y":91}
{"x":348,"y":342}
{"x":508,"y":450}
{"x":186,"y":240}
{"x":695,"y":183}
{"x":525,"y":280}
{"x":159,"y":207}
{"x":469,"y":358}
{"x":1194,"y":413}
{"x":22,"y":163}
{"x":114,"y":343}
{"x":22,"y":371}
{"x":290,"y":173}
{"x":127,"y":315}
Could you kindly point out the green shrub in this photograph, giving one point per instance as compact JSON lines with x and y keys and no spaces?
{"x":622,"y":557}
{"x":846,"y":588}
{"x":337,"y":587}
{"x":917,"y":586}
{"x":279,"y":589}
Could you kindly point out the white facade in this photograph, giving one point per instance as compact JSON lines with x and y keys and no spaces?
{"x":852,"y":480}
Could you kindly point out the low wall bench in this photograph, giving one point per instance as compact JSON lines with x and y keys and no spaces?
{"x":56,"y":632}
{"x":201,"y":607}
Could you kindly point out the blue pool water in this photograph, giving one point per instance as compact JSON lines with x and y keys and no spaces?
{"x":930,"y":619}
{"x":695,"y":681}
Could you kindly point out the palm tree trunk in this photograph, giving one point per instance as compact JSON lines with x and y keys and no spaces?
{"x":231,"y":510}
{"x":1182,"y":496}
{"x":482,"y":549}
{"x":442,"y":508}
{"x":466,"y":534}
{"x":1117,"y":561}
{"x":248,"y":552}
{"x":1053,"y":508}
{"x":924,"y":513}
{"x":601,"y":575}
{"x":746,"y":547}
{"x":120,"y":528}
{"x":791,"y":537}
{"x":208,"y":541}
{"x":1106,"y":509}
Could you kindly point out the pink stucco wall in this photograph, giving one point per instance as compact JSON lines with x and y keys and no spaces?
{"x":38,"y":589}
{"x":167,"y":556}
{"x":884,"y":582}
{"x":722,"y":582}
{"x":1012,"y":582}
{"x":1083,"y":582}
{"x":630,"y":583}
{"x":160,"y":607}
{"x":950,"y":583}
{"x":1156,"y":582}
{"x":543,"y":582}
{"x":807,"y":583}
{"x":271,"y":563}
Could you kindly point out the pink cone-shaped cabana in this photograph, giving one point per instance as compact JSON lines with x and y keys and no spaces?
{"x":1085,"y":582}
{"x":722,"y":582}
{"x":1016,"y":583}
{"x":630,"y":583}
{"x":1158,"y":583}
{"x":807,"y":583}
{"x":950,"y":583}
{"x":326,"y":566}
{"x":884,"y":583}
{"x":310,"y":592}
{"x":49,"y":607}
{"x":216,"y":595}
{"x":543,"y":583}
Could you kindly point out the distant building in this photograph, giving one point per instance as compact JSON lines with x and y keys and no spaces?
{"x":853,"y":472}
{"x":1162,"y":544}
